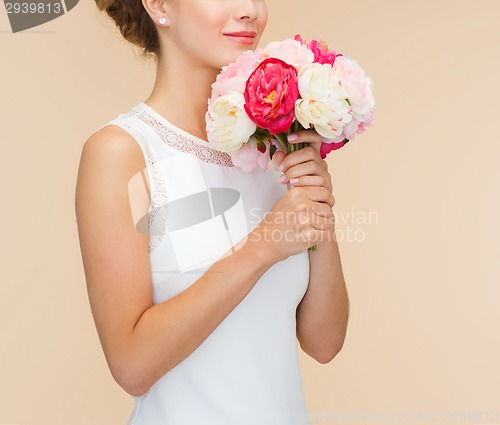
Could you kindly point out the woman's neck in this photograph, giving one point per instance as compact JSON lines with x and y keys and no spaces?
{"x":181,"y":93}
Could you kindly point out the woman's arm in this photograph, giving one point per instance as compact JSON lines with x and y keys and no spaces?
{"x":141,"y":341}
{"x":323,"y":313}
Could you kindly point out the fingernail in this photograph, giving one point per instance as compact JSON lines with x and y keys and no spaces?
{"x":282,"y":178}
{"x":294,"y":180}
{"x":281,"y":167}
{"x":292,"y":137}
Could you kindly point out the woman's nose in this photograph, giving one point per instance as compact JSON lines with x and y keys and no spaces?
{"x":247,"y":9}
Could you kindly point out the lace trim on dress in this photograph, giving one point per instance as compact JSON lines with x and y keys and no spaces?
{"x":172,"y":137}
{"x":158,"y":206}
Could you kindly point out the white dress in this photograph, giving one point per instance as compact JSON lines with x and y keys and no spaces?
{"x":247,"y":371}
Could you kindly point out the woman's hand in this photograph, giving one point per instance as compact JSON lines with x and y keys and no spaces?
{"x":305,"y":167}
{"x":307,"y":206}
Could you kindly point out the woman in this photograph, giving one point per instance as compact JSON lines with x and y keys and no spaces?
{"x":199,"y":309}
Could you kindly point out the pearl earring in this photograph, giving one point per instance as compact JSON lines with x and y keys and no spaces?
{"x":163,"y":20}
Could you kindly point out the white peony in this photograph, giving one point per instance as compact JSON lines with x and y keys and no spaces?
{"x":228,"y":125}
{"x":323,"y":101}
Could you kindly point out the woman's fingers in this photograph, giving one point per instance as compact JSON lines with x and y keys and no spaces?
{"x":317,"y":194}
{"x":278,"y":157}
{"x":302,"y":155}
{"x":307,"y":136}
{"x":307,"y":173}
{"x":302,"y":169}
{"x":310,"y":181}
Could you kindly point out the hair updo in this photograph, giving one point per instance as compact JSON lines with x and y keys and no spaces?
{"x":134,"y":23}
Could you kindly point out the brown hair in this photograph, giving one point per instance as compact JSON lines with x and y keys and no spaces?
{"x":134,"y":23}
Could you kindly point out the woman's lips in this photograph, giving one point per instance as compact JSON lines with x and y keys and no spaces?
{"x":241,"y":39}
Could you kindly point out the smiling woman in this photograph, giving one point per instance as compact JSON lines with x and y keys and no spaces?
{"x":198,"y":310}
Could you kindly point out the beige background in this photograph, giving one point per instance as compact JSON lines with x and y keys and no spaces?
{"x":417,"y":203}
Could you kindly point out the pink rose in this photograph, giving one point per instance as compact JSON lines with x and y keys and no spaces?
{"x":290,"y":51}
{"x":356,"y":127}
{"x":263,"y":159}
{"x":233,"y":77}
{"x":358,"y":87}
{"x":270,"y":95}
{"x":364,"y":125}
{"x":327,"y":147}
{"x":322,"y":54}
{"x":249,"y":157}
{"x":350,"y":129}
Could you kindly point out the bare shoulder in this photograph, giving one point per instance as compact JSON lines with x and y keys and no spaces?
{"x":116,"y":147}
{"x":115,"y":254}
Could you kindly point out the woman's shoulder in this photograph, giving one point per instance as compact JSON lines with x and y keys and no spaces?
{"x":110,"y":175}
{"x":113,"y":150}
{"x":122,"y":119}
{"x":112,"y":141}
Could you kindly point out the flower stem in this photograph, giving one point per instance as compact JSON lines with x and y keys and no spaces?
{"x":282,"y":138}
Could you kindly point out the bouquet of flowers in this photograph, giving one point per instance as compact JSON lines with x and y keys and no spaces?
{"x":287,"y":86}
